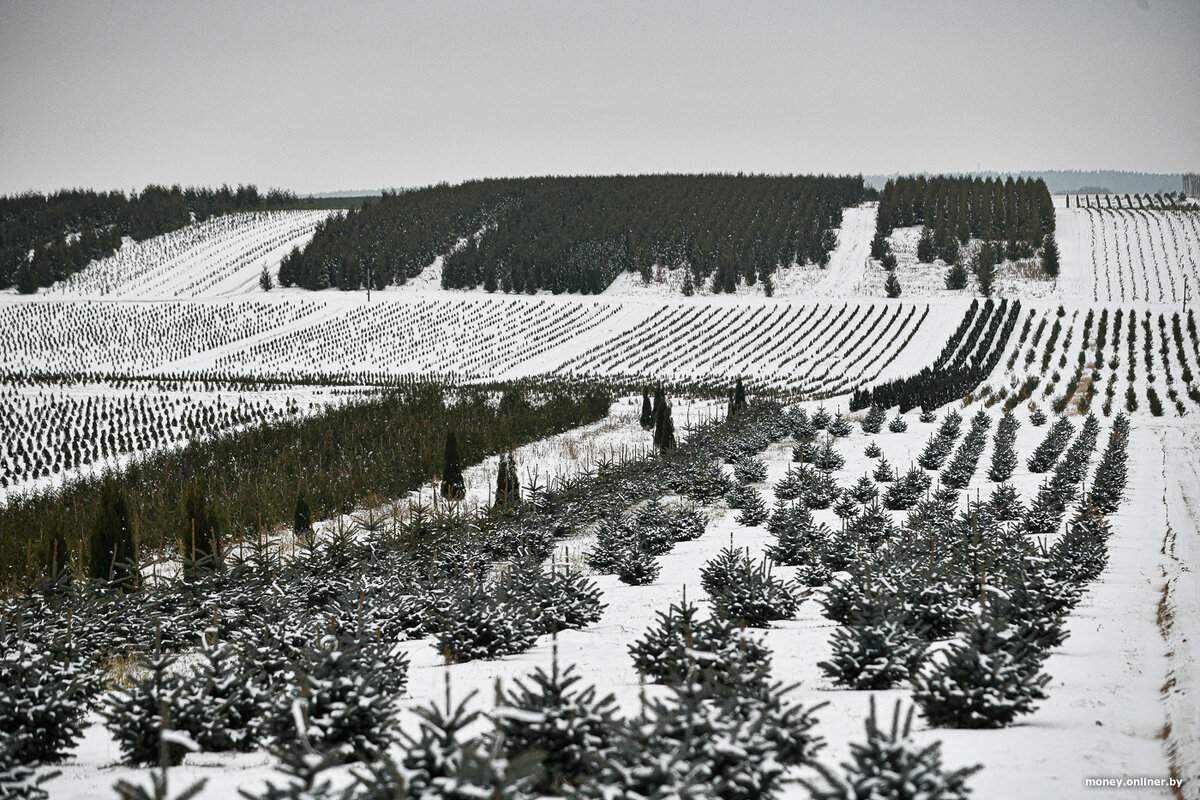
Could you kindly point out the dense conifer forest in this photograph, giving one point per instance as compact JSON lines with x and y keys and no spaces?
{"x":254,"y":479}
{"x":45,"y":238}
{"x":954,"y":210}
{"x":577,"y":234}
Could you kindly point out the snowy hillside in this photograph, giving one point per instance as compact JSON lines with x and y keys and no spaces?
{"x":222,"y":256}
{"x":172,"y":341}
{"x":1129,"y":254}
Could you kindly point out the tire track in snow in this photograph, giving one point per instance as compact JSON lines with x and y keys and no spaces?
{"x":1179,"y":609}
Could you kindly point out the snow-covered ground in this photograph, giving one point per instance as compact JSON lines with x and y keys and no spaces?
{"x":1125,"y":696}
{"x":1122,"y":255}
{"x":1110,"y":694}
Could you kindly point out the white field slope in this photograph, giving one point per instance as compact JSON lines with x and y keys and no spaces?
{"x":1128,"y":255}
{"x":221,"y":256}
{"x":816,"y":347}
{"x":1105,"y":711}
{"x":1125,"y":697}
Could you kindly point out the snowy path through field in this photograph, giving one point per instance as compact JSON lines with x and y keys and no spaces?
{"x":849,"y":259}
{"x":1180,"y":613}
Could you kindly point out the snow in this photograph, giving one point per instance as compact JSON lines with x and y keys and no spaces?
{"x":1177,"y":513}
{"x":1104,"y":715}
{"x":1128,"y":254}
{"x":1124,"y":700}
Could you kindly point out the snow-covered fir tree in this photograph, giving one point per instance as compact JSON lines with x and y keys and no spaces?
{"x":798,"y":539}
{"x":477,"y":622}
{"x":890,"y":764}
{"x":986,"y":681}
{"x":745,"y":592}
{"x":219,"y":702}
{"x":344,"y":700}
{"x":682,"y":642}
{"x":637,"y":567}
{"x":873,"y":421}
{"x":44,"y":696}
{"x":1108,"y":483}
{"x":553,"y":720}
{"x":875,"y":653}
{"x":134,"y":715}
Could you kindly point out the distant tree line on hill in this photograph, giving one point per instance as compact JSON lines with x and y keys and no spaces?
{"x":45,"y":238}
{"x":577,"y":234}
{"x":1078,"y":181}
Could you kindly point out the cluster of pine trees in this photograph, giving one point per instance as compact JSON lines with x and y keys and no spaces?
{"x":45,"y":238}
{"x":576,"y":234}
{"x":1019,"y":212}
{"x":249,"y":480}
{"x":1013,"y":217}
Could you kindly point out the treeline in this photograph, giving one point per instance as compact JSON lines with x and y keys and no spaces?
{"x":45,"y":238}
{"x":954,"y":210}
{"x":577,"y":234}
{"x":251,"y":480}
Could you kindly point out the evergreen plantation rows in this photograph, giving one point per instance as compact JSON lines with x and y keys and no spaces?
{"x":1169,"y":201}
{"x":807,"y":348}
{"x":79,"y":340}
{"x":44,"y":239}
{"x":46,"y":433}
{"x":1111,"y":359}
{"x":365,"y":447}
{"x":1140,"y":255}
{"x":968,"y":356}
{"x":882,"y":352}
{"x":958,"y":605}
{"x":216,"y":556}
{"x":577,"y":234}
{"x":260,"y":349}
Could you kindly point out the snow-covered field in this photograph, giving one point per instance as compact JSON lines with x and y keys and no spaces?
{"x":1123,"y":254}
{"x":1106,"y":708}
{"x":814,"y":347}
{"x":221,"y":256}
{"x":1124,"y":699}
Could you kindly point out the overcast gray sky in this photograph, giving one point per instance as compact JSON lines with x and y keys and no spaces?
{"x":326,"y":96}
